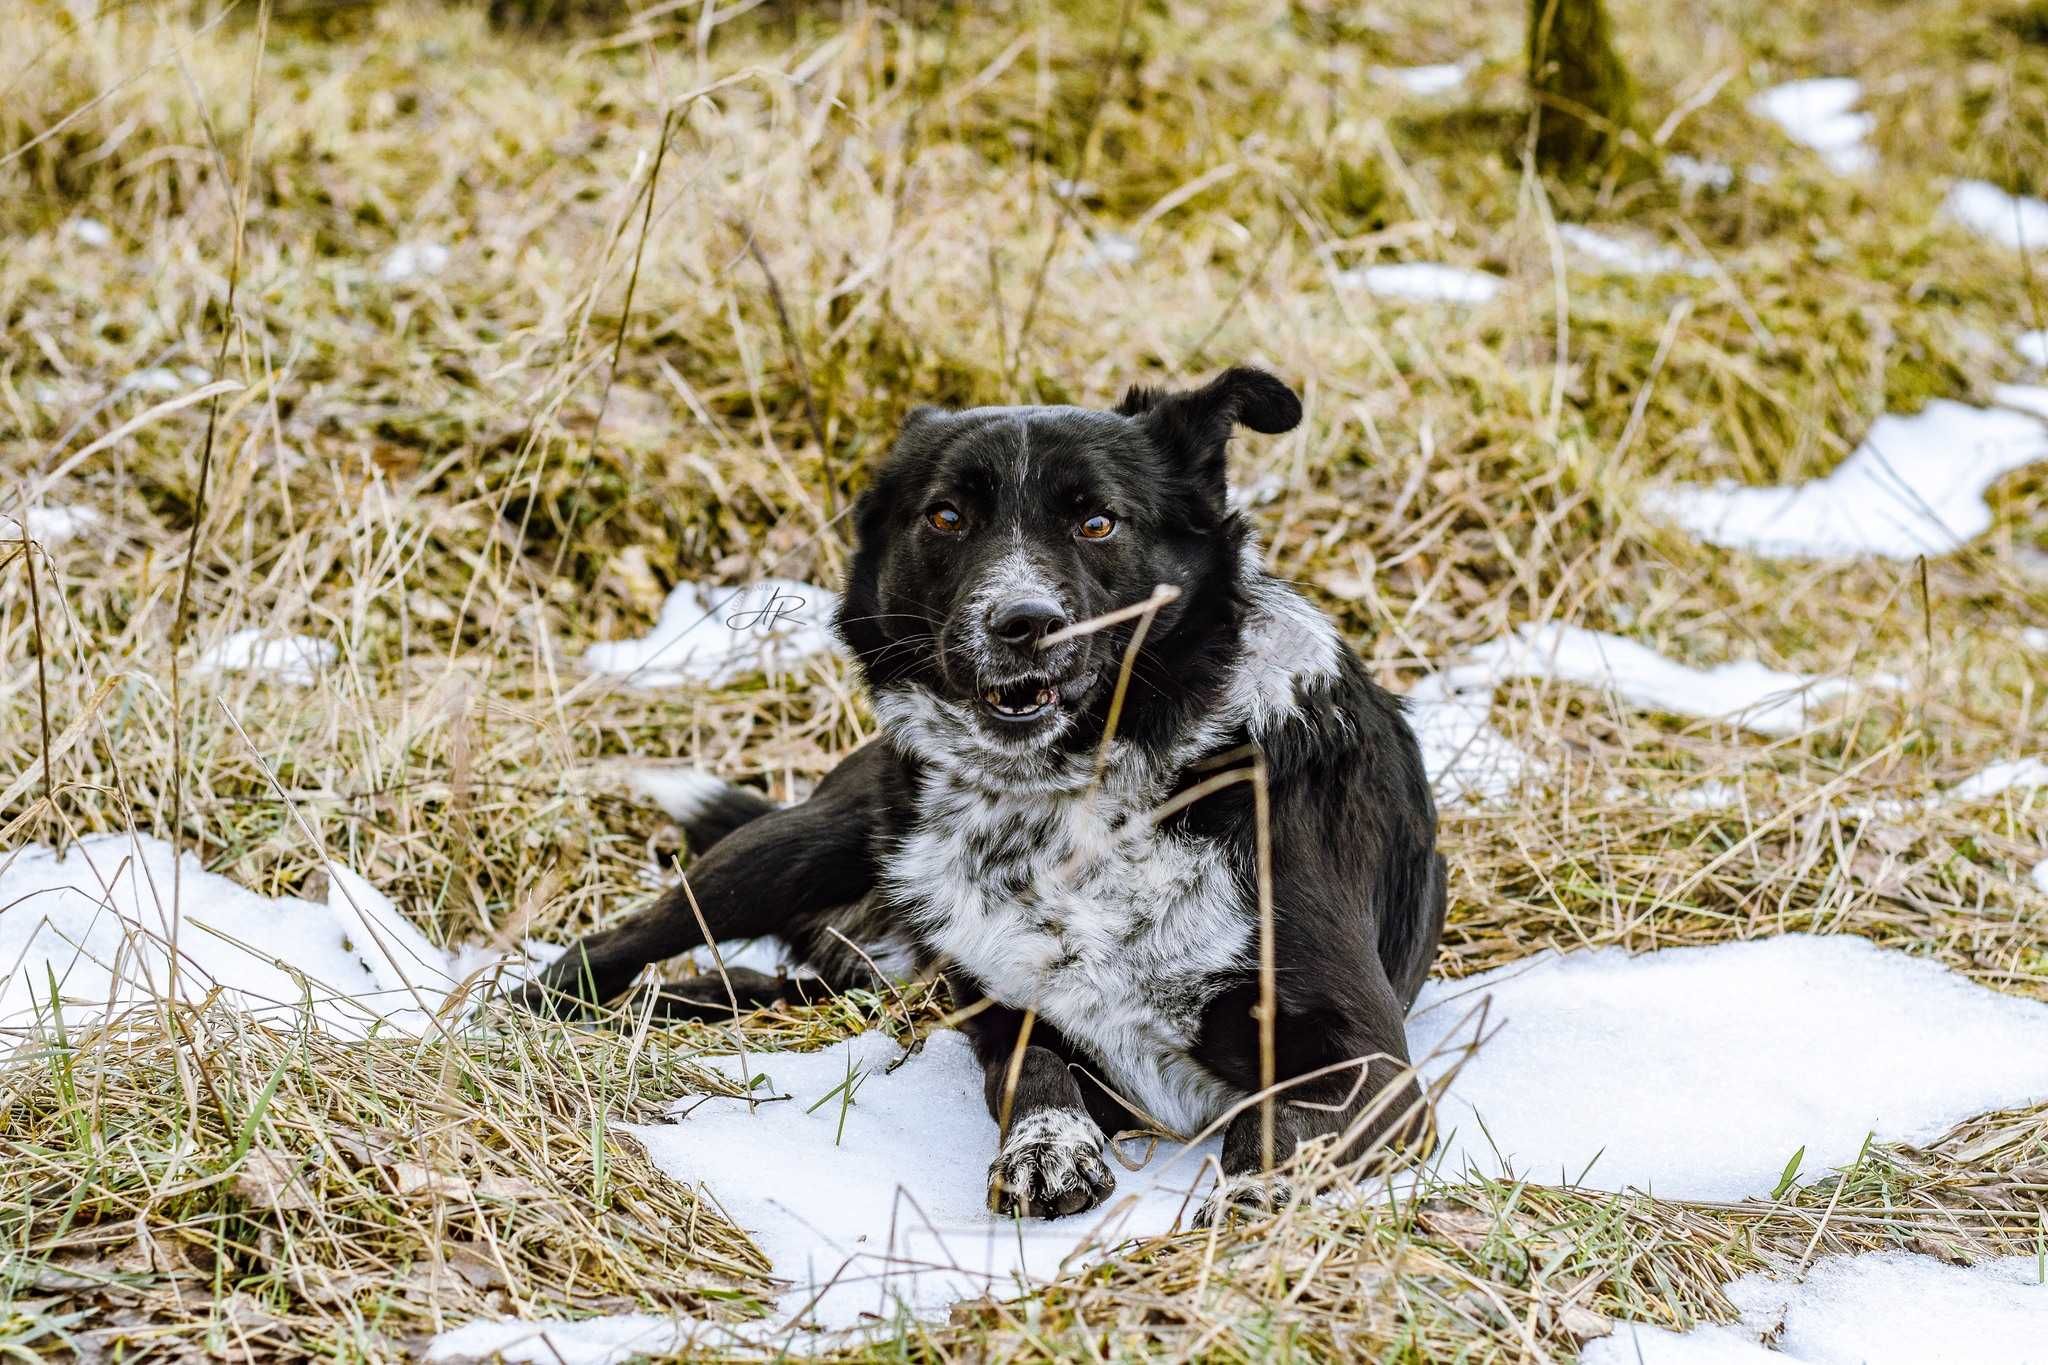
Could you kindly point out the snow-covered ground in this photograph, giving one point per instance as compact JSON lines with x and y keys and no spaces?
{"x":1697,"y":1073}
{"x":413,"y":260}
{"x":716,"y":635}
{"x":865,"y":1186}
{"x":1435,"y":78}
{"x":1423,"y":282}
{"x":295,"y":659}
{"x":1629,"y":256}
{"x":101,"y":923}
{"x":1821,"y":114}
{"x":1882,"y":1308}
{"x":52,"y":524}
{"x":2010,"y":220}
{"x":1468,"y":757}
{"x":1914,"y":486}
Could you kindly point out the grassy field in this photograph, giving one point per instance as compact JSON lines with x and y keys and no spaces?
{"x":698,"y":264}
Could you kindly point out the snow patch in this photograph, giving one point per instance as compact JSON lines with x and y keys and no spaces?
{"x":1745,"y":693}
{"x":1436,"y":78}
{"x":1880,"y":1308}
{"x":52,"y":524}
{"x":1694,"y":173}
{"x":2010,"y":220}
{"x":91,"y":233}
{"x":163,"y":380}
{"x":2033,"y":348}
{"x":1622,"y":256}
{"x":100,"y":922}
{"x":585,"y":1341}
{"x":1110,"y":248}
{"x":1820,"y":114}
{"x":717,"y":635}
{"x":879,"y":1205}
{"x":1696,"y":1073}
{"x":1423,"y":282}
{"x":413,"y":260}
{"x":1468,"y":758}
{"x":1914,"y":486}
{"x":295,"y":659}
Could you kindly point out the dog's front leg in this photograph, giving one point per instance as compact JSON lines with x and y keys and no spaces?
{"x":1049,"y":1163}
{"x":1365,"y":1099}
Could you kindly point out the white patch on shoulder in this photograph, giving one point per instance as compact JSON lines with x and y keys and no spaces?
{"x":1287,"y":641}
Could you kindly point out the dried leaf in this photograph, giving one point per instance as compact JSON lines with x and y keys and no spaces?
{"x":270,"y":1179}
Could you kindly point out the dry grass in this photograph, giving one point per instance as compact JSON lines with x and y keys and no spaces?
{"x":452,"y":480}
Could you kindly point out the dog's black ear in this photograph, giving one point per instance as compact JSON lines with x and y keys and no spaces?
{"x":1196,"y":425}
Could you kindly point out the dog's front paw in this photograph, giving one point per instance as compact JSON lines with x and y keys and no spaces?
{"x":1249,"y":1197}
{"x":1051,"y":1166}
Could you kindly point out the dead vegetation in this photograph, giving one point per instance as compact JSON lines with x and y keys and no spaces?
{"x":823,"y":216}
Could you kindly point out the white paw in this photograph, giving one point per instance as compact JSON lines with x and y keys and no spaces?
{"x":1244,"y":1196}
{"x":1051,"y":1166}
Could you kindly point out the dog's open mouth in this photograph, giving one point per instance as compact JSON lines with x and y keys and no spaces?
{"x":1026,"y":699}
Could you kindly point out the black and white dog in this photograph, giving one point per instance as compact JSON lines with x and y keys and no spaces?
{"x":1058,"y":820}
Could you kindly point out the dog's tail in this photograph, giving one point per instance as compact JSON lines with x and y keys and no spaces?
{"x":708,"y":808}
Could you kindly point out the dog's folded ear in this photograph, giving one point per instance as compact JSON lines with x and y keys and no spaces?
{"x":1196,"y":424}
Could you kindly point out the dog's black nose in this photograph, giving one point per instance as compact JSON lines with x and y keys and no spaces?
{"x":1025,"y":620}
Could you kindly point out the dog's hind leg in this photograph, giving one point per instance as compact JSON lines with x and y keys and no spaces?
{"x":773,"y":874}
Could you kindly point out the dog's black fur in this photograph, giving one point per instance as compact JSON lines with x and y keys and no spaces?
{"x":1097,"y":902}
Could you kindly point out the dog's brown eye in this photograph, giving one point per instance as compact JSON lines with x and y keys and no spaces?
{"x":1098,"y":527}
{"x":944,"y":518}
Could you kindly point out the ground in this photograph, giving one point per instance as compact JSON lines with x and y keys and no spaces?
{"x":457,"y":348}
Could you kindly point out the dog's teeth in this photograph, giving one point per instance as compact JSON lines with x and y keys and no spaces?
{"x":992,"y":697}
{"x":1045,"y":696}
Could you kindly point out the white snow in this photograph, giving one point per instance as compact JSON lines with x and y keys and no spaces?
{"x":411,"y":260}
{"x":1435,"y":78}
{"x":1999,"y":778}
{"x":1880,"y":1308}
{"x":1467,"y":757}
{"x":585,"y":1341}
{"x":716,"y":635}
{"x":1696,"y":1073}
{"x":1623,"y":256}
{"x":1423,"y":282}
{"x":2033,"y":348}
{"x":1914,"y":486}
{"x":2010,"y":220}
{"x":162,"y":379}
{"x":889,"y":1213}
{"x":1110,"y":248}
{"x":100,"y":921}
{"x":2035,"y":637}
{"x":2039,"y":877}
{"x":1743,"y":693}
{"x":1695,"y":173}
{"x":52,"y":524}
{"x":1821,"y":114}
{"x":90,"y":232}
{"x":295,"y":659}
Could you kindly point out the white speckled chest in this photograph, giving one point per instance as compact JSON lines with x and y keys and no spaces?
{"x":1071,"y":904}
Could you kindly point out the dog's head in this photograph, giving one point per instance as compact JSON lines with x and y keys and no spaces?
{"x":989,"y":535}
